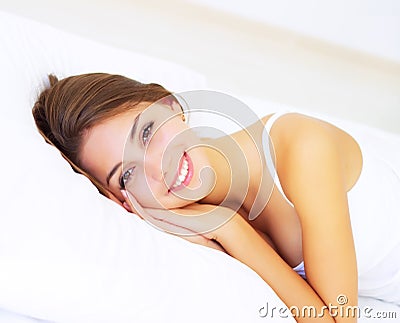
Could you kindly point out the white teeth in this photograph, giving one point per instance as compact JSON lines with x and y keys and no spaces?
{"x":182,"y":174}
{"x":185,"y":164}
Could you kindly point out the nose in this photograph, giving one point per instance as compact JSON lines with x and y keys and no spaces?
{"x":153,"y":168}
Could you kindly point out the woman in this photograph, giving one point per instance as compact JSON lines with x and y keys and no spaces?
{"x":167,"y":174}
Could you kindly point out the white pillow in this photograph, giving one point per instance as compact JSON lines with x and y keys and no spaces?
{"x":30,"y":51}
{"x":68,"y":254}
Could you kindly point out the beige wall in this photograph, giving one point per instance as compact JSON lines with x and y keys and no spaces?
{"x":237,"y":55}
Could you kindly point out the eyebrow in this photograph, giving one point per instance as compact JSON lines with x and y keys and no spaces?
{"x":131,"y":136}
{"x":134,"y":127}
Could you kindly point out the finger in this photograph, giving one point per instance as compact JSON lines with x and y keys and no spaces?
{"x":163,"y":219}
{"x":127,"y":207}
{"x":131,"y":207}
{"x":166,"y":220}
{"x":175,"y":223}
{"x":152,"y":215}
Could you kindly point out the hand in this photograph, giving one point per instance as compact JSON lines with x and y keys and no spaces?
{"x":197,"y":223}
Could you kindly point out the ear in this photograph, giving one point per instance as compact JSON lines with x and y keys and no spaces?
{"x":176,"y":107}
{"x":172,"y":102}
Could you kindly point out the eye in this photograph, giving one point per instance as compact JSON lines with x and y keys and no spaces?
{"x":147,"y":132}
{"x":125,"y":177}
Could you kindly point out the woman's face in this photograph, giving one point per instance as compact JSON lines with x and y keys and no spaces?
{"x":152,"y":153}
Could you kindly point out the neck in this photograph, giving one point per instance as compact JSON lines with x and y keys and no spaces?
{"x":230,"y":166}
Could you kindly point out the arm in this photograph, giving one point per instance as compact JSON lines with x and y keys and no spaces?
{"x":241,"y":241}
{"x":313,"y":177}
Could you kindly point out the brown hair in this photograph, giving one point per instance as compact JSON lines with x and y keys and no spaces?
{"x":69,"y":107}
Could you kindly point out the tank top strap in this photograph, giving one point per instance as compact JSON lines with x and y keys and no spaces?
{"x":267,"y":151}
{"x":270,"y":122}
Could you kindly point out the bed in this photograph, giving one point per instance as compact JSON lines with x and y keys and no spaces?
{"x":68,"y":254}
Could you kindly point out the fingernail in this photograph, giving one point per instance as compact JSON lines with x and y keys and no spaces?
{"x":123,"y":192}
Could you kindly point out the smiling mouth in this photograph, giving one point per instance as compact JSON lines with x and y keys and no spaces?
{"x":185,"y":174}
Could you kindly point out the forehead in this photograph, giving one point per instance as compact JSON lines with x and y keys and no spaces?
{"x":102,"y":145}
{"x":112,"y":129}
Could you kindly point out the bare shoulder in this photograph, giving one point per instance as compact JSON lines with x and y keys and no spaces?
{"x":304,"y":141}
{"x":290,"y":125}
{"x":291,"y":129}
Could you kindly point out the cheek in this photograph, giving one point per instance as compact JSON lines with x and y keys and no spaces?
{"x":147,"y":190}
{"x":165,"y":144}
{"x":167,"y":134}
